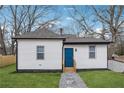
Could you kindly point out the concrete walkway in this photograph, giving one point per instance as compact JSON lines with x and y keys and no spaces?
{"x":71,"y":80}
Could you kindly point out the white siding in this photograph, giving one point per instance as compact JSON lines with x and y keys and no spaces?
{"x":82,"y":59}
{"x":27,"y":58}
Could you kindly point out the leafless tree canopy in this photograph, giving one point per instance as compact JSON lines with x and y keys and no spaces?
{"x":2,"y":35}
{"x":26,"y":19}
{"x":85,"y":19}
{"x":112,"y":17}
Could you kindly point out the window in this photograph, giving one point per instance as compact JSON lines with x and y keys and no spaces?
{"x":91,"y":51}
{"x":40,"y":52}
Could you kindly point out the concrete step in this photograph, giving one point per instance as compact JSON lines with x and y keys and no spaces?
{"x":69,"y":69}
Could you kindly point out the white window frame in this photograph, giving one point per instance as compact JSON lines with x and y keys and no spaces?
{"x":40,"y":52}
{"x":92,"y":51}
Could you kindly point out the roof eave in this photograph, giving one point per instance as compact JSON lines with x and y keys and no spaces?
{"x":36,"y":38}
{"x":86,"y":42}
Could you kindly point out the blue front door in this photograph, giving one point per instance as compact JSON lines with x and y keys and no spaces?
{"x":68,"y":57}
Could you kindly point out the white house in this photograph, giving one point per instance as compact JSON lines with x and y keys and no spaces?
{"x":46,"y":50}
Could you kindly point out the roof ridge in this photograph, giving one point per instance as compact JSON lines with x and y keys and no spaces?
{"x":40,"y":33}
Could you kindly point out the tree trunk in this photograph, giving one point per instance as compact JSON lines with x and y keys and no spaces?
{"x":12,"y":47}
{"x":2,"y":47}
{"x":112,"y":46}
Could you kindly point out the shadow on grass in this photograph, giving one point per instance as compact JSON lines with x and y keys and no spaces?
{"x":3,"y":66}
{"x":19,"y":72}
{"x":80,"y":70}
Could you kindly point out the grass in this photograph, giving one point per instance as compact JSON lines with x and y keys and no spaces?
{"x":10,"y":79}
{"x":93,"y":78}
{"x":102,"y":79}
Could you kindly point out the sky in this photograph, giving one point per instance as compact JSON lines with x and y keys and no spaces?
{"x":65,"y":20}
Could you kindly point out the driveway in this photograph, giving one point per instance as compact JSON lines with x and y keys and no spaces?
{"x":71,"y":80}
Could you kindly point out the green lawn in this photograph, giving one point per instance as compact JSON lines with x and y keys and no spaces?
{"x":9,"y":78}
{"x":93,"y":78}
{"x":102,"y":79}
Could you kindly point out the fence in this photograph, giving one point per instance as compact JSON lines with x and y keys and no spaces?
{"x":7,"y":60}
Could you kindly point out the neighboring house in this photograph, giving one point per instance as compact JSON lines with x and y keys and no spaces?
{"x":46,"y":50}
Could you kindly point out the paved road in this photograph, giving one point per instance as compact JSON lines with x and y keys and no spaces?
{"x":71,"y":80}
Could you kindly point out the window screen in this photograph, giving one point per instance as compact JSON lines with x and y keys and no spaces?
{"x":91,"y":51}
{"x":40,"y":52}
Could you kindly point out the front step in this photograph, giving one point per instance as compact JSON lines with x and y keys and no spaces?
{"x":69,"y":69}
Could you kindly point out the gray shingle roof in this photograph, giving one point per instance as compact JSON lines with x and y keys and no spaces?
{"x":69,"y":35}
{"x":84,"y":40}
{"x":68,"y":39}
{"x":39,"y":34}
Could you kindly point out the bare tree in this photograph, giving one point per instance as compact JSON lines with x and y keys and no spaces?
{"x":27,"y":19}
{"x":2,"y":37}
{"x":112,"y":17}
{"x":81,"y":19}
{"x":109,"y":17}
{"x":84,"y":17}
{"x":2,"y":32}
{"x":2,"y":44}
{"x":34,"y":15}
{"x":17,"y":15}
